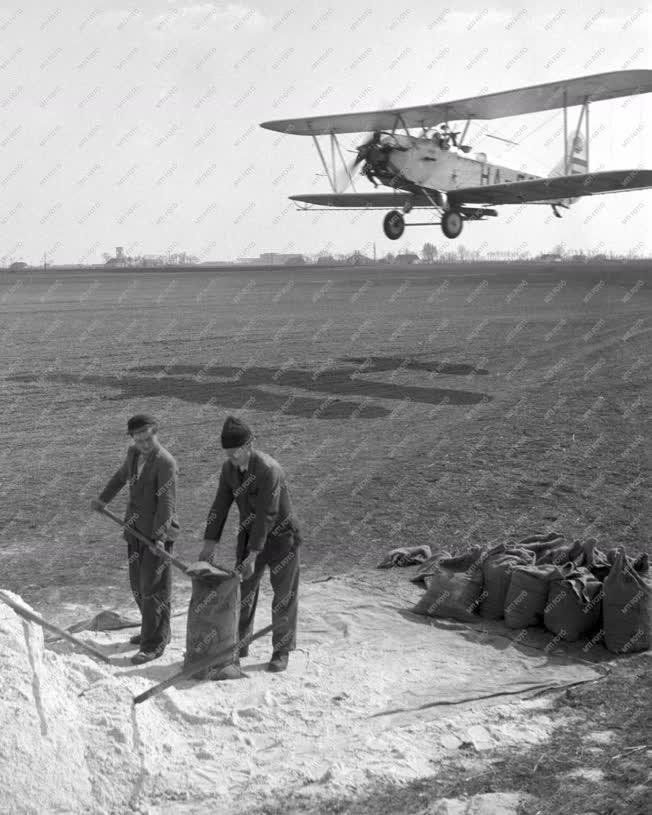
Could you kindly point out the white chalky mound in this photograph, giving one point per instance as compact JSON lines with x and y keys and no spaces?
{"x":42,"y":749}
{"x":59,"y":751}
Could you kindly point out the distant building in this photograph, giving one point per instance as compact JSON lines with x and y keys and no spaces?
{"x":406,"y":257}
{"x":279,"y":258}
{"x":358,"y":259}
{"x":151,"y":260}
{"x":121,"y":260}
{"x":182,"y":259}
{"x":498,"y":255}
{"x":326,"y":260}
{"x":551,"y":256}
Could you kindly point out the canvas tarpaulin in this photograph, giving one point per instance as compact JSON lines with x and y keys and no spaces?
{"x":442,"y":662}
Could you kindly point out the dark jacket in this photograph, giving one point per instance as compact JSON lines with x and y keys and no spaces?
{"x":151,"y":507}
{"x":263,"y":500}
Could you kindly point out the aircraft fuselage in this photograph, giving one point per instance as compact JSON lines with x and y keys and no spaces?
{"x":404,"y":162}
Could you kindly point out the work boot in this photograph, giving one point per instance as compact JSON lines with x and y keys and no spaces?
{"x":146,"y":656}
{"x":244,"y":652}
{"x":135,"y":639}
{"x":278,"y":662}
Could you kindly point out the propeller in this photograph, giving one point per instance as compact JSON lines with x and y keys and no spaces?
{"x":345,"y":175}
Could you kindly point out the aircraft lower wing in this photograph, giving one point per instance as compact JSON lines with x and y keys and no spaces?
{"x":552,"y":189}
{"x":515,"y":192}
{"x":361,"y":200}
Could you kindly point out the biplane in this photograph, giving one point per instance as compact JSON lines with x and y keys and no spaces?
{"x":432,"y":169}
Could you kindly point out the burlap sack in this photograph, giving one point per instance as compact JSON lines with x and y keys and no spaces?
{"x":627,"y":608}
{"x":213,"y":617}
{"x":561,"y":553}
{"x":574,"y":606}
{"x":600,"y":562}
{"x":497,"y":568}
{"x":454,"y":586}
{"x":527,"y":594}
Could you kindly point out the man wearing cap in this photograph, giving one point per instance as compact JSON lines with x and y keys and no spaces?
{"x":268,"y":535}
{"x":151,"y":473}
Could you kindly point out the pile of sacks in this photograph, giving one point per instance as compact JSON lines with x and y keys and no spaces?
{"x":574,"y":589}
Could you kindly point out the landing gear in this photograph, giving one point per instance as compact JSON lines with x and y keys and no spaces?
{"x":556,"y":210}
{"x":451,"y":223}
{"x":393,"y":225}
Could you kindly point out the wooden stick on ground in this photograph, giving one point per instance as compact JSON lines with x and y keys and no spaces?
{"x":35,"y":618}
{"x":200,"y":665}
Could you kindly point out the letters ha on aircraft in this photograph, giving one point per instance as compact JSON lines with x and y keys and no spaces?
{"x":433,"y":169}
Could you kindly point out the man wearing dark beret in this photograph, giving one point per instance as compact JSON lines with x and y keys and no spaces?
{"x":268,"y":535}
{"x":151,"y":473}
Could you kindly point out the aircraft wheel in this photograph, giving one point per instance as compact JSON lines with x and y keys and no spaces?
{"x":451,"y":223}
{"x":394,"y":225}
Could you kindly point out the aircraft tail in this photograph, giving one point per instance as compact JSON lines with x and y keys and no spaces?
{"x":577,"y":160}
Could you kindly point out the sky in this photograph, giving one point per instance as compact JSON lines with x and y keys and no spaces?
{"x":137,"y":123}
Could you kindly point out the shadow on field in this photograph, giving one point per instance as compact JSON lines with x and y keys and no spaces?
{"x":409,"y":364}
{"x":236,"y":386}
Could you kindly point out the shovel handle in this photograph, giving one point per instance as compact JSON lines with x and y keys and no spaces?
{"x":199,"y":665}
{"x":139,"y":536}
{"x":36,"y":618}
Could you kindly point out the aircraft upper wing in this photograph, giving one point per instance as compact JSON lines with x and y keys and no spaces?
{"x":549,"y":96}
{"x":553,"y":189}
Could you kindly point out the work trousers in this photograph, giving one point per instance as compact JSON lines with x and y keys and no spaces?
{"x":151,"y":585}
{"x":283,"y":565}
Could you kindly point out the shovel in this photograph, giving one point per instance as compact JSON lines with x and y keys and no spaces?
{"x":36,"y":618}
{"x":199,"y":569}
{"x":200,"y":665}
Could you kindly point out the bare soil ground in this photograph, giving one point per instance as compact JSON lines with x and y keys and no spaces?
{"x":447,"y":405}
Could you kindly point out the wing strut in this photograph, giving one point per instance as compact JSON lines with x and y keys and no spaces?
{"x":331,"y":181}
{"x":584,"y":112}
{"x":565,"y":133}
{"x":331,"y":173}
{"x":587,"y":133}
{"x":344,"y":164}
{"x":405,"y":127}
{"x":571,"y":146}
